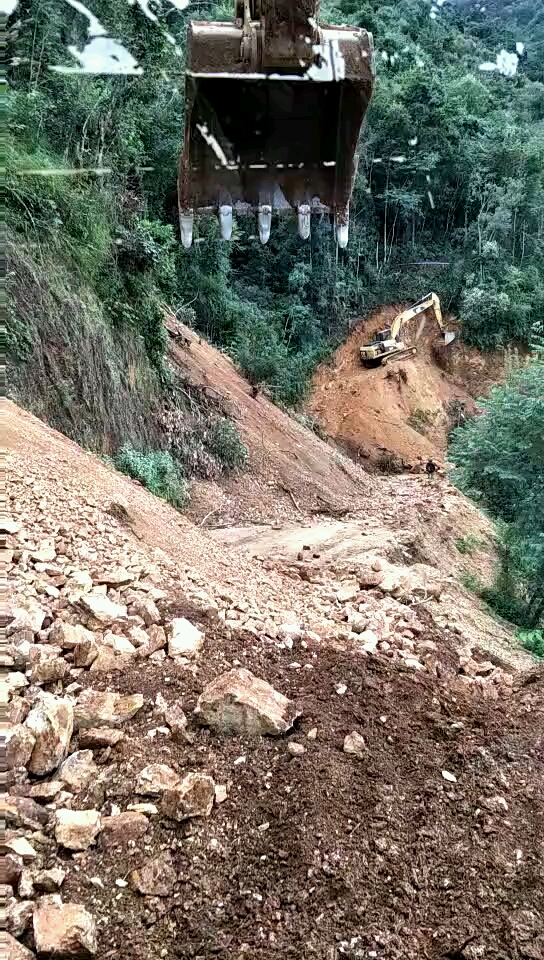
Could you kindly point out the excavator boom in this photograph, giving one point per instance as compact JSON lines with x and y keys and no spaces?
{"x":389,"y":346}
{"x":274,"y":107}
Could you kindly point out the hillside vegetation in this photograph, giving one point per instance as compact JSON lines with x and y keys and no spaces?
{"x":449,"y":195}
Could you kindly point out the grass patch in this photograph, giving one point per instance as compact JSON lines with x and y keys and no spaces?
{"x":156,"y":470}
{"x":421,"y":420}
{"x":469,"y":544}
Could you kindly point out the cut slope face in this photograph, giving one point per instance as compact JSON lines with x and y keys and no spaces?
{"x":286,"y":461}
{"x":406,"y":408}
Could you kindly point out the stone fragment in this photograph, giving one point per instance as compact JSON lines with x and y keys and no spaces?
{"x":46,"y":790}
{"x":155,"y":779}
{"x":24,"y":812}
{"x":76,"y":829}
{"x":155,"y":640}
{"x":46,"y":664}
{"x":104,"y":610}
{"x":11,"y":949}
{"x":355,"y":744}
{"x":296,"y":749}
{"x":22,"y":848}
{"x":20,"y":917}
{"x":49,"y":881}
{"x":117,"y":577}
{"x":193,"y":797}
{"x":146,"y":608}
{"x":51,"y":721}
{"x":157,"y":878}
{"x":220,"y":793}
{"x":239,"y":702}
{"x":86,"y":651}
{"x":78,"y":770}
{"x":184,"y":639}
{"x":29,"y":616}
{"x":177,"y":721}
{"x":121,"y":828}
{"x":68,"y":635}
{"x":64,"y":930}
{"x":20,"y":742}
{"x":347,"y":592}
{"x":368,"y":640}
{"x":103,"y":708}
{"x":98,"y":738}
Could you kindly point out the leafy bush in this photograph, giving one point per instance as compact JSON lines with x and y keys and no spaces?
{"x":225,"y":444}
{"x":533,"y":640}
{"x":157,"y":470}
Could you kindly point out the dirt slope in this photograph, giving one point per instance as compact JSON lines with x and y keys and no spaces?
{"x":429,"y":843}
{"x":289,"y":466}
{"x":400,"y":409}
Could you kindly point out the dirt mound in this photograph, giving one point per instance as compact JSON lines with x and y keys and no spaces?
{"x":401,"y":412}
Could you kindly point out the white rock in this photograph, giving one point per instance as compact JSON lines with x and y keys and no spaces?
{"x":239,"y":702}
{"x":220,"y":793}
{"x":77,"y":829}
{"x":355,"y":744}
{"x":51,"y":721}
{"x":347,"y":592}
{"x":184,"y":639}
{"x":64,"y":930}
{"x":29,"y":616}
{"x":368,"y":640}
{"x":296,"y":749}
{"x":450,"y":777}
{"x":102,"y":608}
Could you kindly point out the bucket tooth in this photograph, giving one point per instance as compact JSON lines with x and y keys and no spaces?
{"x":342,"y":234}
{"x":265,"y":222}
{"x":304,"y":220}
{"x":225,"y":220}
{"x":186,"y":222}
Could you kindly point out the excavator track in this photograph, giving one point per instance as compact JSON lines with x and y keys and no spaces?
{"x":398,"y":355}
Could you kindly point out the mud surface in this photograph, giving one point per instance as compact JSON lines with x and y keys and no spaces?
{"x":326,"y":855}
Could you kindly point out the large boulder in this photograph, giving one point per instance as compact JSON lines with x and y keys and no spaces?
{"x":78,"y":770}
{"x":239,"y":702}
{"x":51,"y":721}
{"x":102,"y":609}
{"x":64,"y":930}
{"x":20,"y":742}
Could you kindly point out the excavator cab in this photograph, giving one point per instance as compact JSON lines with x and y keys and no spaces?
{"x":274,"y":107}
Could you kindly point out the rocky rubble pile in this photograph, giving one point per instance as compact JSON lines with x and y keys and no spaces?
{"x":86,"y":605}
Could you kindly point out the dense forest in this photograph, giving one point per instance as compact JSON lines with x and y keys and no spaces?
{"x":449,"y":195}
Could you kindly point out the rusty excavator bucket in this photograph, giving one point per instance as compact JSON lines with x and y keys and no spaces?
{"x":274,"y":106}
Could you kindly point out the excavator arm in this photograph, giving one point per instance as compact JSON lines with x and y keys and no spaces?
{"x":431,"y":300}
{"x":274,"y":107}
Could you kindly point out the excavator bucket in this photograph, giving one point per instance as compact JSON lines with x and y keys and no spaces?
{"x":449,"y":337}
{"x":274,"y":108}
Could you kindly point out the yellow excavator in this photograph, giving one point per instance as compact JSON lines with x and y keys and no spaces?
{"x":387,"y":344}
{"x":274,"y":105}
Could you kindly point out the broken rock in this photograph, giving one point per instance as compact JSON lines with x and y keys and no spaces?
{"x":64,"y":930}
{"x":98,"y":738}
{"x":76,"y":829}
{"x":13,"y":950}
{"x":193,"y":797}
{"x":155,"y":779}
{"x":51,"y":721}
{"x":97,"y":708}
{"x":78,"y":770}
{"x":239,"y":702}
{"x":20,"y":743}
{"x":177,"y":721}
{"x":184,"y":639}
{"x":156,"y":878}
{"x":355,"y":744}
{"x":122,"y":828}
{"x":102,"y":608}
